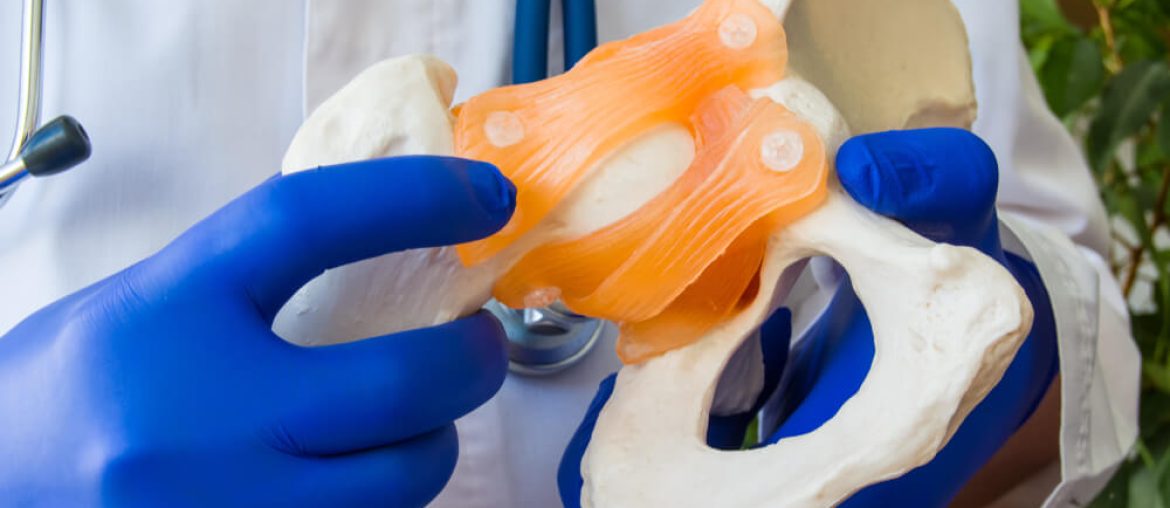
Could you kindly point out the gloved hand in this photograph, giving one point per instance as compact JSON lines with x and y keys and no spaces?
{"x":164,"y":385}
{"x":941,"y":183}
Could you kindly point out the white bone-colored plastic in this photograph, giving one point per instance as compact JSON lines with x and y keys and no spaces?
{"x":947,"y":321}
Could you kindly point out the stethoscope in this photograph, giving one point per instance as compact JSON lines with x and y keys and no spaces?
{"x":53,"y":147}
{"x":551,"y":339}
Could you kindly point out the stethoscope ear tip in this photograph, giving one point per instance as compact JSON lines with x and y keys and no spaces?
{"x":55,"y":147}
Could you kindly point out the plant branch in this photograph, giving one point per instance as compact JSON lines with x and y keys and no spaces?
{"x":1124,"y":242}
{"x":1105,"y":18}
{"x":1137,"y":253}
{"x":1136,"y":256}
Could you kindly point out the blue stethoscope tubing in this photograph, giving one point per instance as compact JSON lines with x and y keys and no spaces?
{"x":530,"y":48}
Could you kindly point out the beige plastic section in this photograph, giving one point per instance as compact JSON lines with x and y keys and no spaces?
{"x":947,"y":322}
{"x":886,"y":64}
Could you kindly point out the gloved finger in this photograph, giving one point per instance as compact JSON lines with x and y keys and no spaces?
{"x":277,"y":237}
{"x":376,"y":392}
{"x":410,"y":473}
{"x":728,"y":432}
{"x":569,"y":481}
{"x":940,"y":182}
{"x":776,"y":341}
{"x":829,"y":366}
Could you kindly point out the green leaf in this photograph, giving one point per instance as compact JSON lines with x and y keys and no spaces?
{"x":1163,"y":135}
{"x":1126,"y":203}
{"x":1141,"y":30}
{"x":751,"y":436}
{"x":1150,"y":155}
{"x":1144,"y":491}
{"x":1145,"y":195}
{"x":1160,"y":476}
{"x":1130,"y":101}
{"x":1164,"y":6}
{"x":1039,"y":51}
{"x":1073,"y":74}
{"x":1146,"y":330}
{"x":1157,"y":374}
{"x":1155,"y":416}
{"x":1044,"y":15}
{"x":1153,"y":151}
{"x":1163,"y":295}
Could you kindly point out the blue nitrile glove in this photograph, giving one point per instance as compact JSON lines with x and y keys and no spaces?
{"x":942,"y":183}
{"x":164,"y":385}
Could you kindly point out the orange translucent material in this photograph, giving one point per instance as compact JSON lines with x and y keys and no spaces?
{"x":725,"y":287}
{"x":547,"y":136}
{"x":691,"y":256}
{"x":685,"y":259}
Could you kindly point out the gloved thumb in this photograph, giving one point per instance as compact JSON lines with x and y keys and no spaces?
{"x":939,"y":182}
{"x":280,"y":235}
{"x":569,"y":481}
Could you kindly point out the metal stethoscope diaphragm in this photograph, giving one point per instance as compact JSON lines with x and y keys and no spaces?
{"x":38,"y":150}
{"x":547,"y":340}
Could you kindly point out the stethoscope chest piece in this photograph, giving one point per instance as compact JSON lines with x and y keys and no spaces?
{"x":547,"y":340}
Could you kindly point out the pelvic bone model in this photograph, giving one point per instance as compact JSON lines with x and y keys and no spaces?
{"x":673,"y":183}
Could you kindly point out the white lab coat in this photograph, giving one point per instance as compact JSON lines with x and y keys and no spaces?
{"x":192,"y":102}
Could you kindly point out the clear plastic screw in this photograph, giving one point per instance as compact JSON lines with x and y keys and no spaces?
{"x":503,"y":129}
{"x":781,"y":151}
{"x":542,"y":297}
{"x":738,"y":31}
